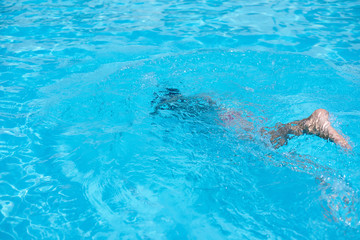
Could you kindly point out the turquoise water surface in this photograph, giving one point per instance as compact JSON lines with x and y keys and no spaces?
{"x":82,"y":157}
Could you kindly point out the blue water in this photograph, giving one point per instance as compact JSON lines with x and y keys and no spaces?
{"x":81,"y":157}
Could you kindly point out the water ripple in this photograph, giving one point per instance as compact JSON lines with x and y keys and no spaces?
{"x":82,"y":157}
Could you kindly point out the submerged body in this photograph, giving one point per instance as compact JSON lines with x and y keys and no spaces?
{"x":316,"y":124}
{"x":339,"y":202}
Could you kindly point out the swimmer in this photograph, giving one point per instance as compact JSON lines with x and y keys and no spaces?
{"x":338,"y":202}
{"x":316,"y":124}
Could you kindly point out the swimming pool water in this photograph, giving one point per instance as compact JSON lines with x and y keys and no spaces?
{"x":81,"y":157}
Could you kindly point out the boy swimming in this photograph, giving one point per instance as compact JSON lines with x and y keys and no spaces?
{"x":316,"y":124}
